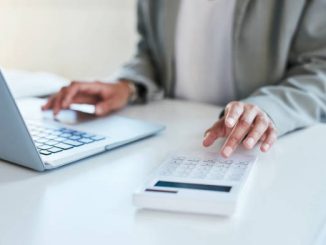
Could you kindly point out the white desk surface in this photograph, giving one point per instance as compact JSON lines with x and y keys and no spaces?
{"x":90,"y":202}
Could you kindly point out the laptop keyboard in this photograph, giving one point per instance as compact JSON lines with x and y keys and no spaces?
{"x":50,"y":140}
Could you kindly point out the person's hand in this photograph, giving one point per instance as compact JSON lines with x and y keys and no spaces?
{"x":245,"y":124}
{"x":106,"y":97}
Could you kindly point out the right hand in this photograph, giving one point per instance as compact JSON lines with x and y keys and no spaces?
{"x":243,"y":123}
{"x":107,"y":97}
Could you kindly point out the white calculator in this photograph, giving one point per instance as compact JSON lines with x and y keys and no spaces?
{"x":197,"y":183}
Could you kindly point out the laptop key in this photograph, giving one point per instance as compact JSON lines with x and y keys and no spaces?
{"x":56,"y":133}
{"x":52,"y":142}
{"x":86,"y":140}
{"x":37,"y":144}
{"x":79,"y":133}
{"x":42,"y":135}
{"x":97,"y":137}
{"x":73,"y":143}
{"x":51,"y":137}
{"x":86,"y":135}
{"x":68,"y":131}
{"x":65,"y":135}
{"x":54,"y":150}
{"x":75,"y":137}
{"x":64,"y":146}
{"x":44,"y":147}
{"x":41,"y":140}
{"x":60,"y":139}
{"x":45,"y":152}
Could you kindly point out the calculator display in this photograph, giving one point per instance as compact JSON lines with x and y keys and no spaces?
{"x":193,"y":186}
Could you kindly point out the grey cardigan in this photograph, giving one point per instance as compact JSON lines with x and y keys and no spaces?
{"x":279,"y":56}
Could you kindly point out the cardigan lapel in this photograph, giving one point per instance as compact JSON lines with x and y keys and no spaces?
{"x":239,"y":15}
{"x":170,"y":18}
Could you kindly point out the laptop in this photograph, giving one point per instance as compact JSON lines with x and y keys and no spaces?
{"x":43,"y":145}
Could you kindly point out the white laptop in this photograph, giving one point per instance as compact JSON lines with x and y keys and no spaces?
{"x":42,"y":145}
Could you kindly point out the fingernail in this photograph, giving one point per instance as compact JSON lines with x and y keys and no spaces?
{"x":250,"y":142}
{"x":227,"y":151}
{"x":265,"y":147}
{"x":205,"y":143}
{"x":206,"y":135}
{"x":230,"y":121}
{"x":99,"y":110}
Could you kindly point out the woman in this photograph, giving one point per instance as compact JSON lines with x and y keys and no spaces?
{"x":267,"y":57}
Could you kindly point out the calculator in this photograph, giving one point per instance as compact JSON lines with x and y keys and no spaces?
{"x":201,"y":182}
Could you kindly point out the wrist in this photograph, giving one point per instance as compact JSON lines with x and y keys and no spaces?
{"x":132,"y":90}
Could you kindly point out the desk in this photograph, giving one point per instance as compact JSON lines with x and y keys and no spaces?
{"x":90,"y":202}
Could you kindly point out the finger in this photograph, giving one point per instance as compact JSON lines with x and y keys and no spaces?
{"x":234,"y":111}
{"x":270,"y":139}
{"x":260,"y":126}
{"x":57,"y":103}
{"x":238,"y":132}
{"x":214,"y":133}
{"x":85,"y":99}
{"x":104,"y":108}
{"x":49,"y":104}
{"x":75,"y":88}
{"x":263,"y":137}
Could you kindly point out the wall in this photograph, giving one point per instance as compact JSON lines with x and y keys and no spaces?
{"x":73,"y":38}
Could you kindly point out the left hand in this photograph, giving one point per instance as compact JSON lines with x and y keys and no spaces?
{"x":242,"y":123}
{"x":107,"y":97}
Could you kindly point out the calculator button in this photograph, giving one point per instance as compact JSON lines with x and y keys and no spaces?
{"x":235,"y":174}
{"x":199,"y":174}
{"x":178,"y":173}
{"x":176,"y":162}
{"x":225,"y":161}
{"x":193,"y":160}
{"x":209,"y":161}
{"x":236,"y":171}
{"x":164,"y":173}
{"x":235,"y":177}
{"x":218,"y":176}
{"x":244,"y":162}
{"x":179,"y":158}
{"x":211,"y":169}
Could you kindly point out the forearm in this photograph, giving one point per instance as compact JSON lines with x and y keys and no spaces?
{"x":299,"y":101}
